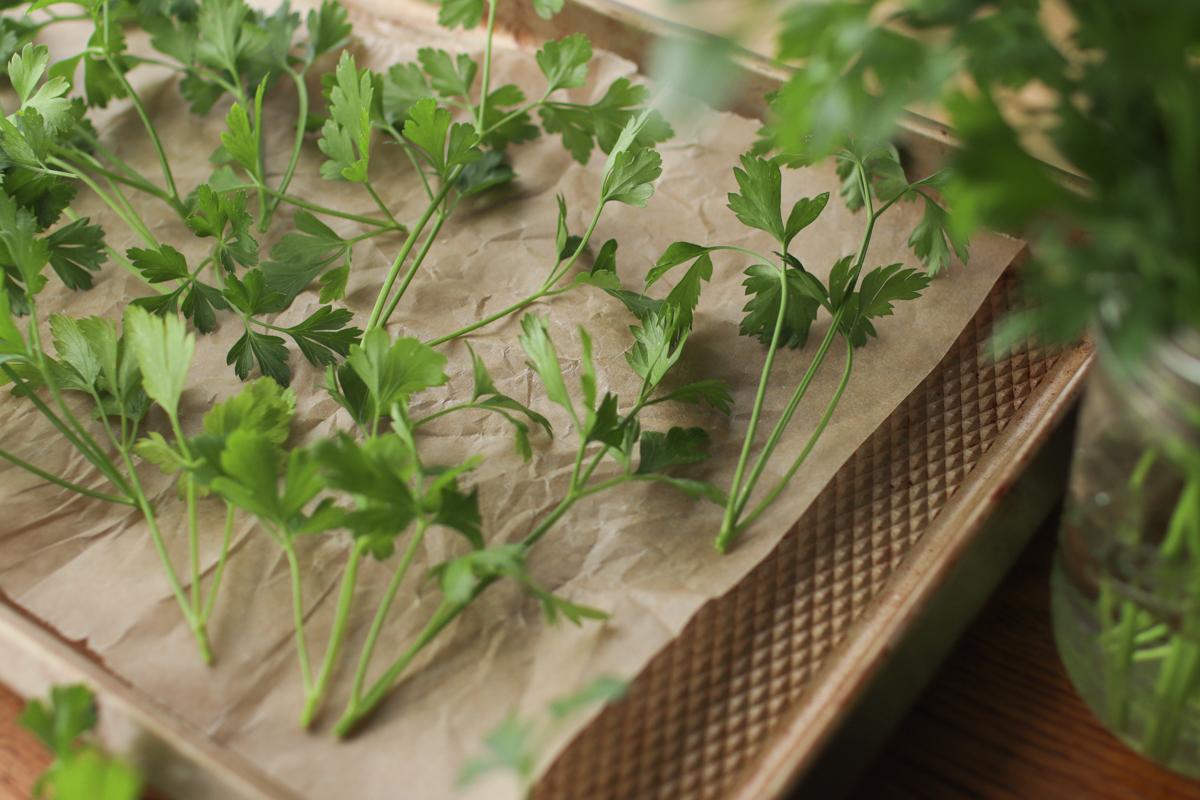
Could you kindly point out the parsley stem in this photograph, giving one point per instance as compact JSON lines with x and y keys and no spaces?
{"x":136,"y":225}
{"x":485,"y":80}
{"x":406,"y":248}
{"x":439,"y":220}
{"x":510,"y":116}
{"x":63,"y":482}
{"x":289,"y":551}
{"x":197,"y":625}
{"x":744,"y":251}
{"x":82,"y":438}
{"x":416,"y":423}
{"x":728,"y":522}
{"x":826,"y":416}
{"x":742,"y":496}
{"x":336,"y":636}
{"x":546,"y":288}
{"x":147,"y":124}
{"x":412,"y":159}
{"x":222,"y":559}
{"x":193,"y":537}
{"x":121,"y":164}
{"x":88,"y":450}
{"x":362,"y":705}
{"x":382,"y":611}
{"x":316,"y":208}
{"x":357,"y":709}
{"x":134,"y":182}
{"x":297,"y":146}
{"x":379,"y":202}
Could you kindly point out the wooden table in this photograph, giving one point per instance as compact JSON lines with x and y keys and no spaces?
{"x":999,"y":721}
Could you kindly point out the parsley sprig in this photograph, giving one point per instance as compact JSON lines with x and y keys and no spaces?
{"x":456,"y":160}
{"x":121,"y":377}
{"x":785,"y":298}
{"x":603,"y":432}
{"x":79,"y":770}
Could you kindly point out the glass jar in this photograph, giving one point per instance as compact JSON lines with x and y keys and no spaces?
{"x":1126,"y":584}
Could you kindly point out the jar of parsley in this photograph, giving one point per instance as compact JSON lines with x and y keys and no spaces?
{"x":1126,"y":585}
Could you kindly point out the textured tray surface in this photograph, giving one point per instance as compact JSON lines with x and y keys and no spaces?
{"x":699,"y":715}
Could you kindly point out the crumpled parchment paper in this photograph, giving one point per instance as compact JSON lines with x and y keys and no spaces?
{"x":643,"y":553}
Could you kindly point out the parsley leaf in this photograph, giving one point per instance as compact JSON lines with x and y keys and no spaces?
{"x":465,"y":13}
{"x":880,"y":288}
{"x":444,"y":145}
{"x":391,"y":371}
{"x":70,"y":714}
{"x":584,"y":127}
{"x":678,"y":446}
{"x":302,"y":255}
{"x":449,"y":76}
{"x":346,"y":135}
{"x":565,"y":62}
{"x":630,"y":171}
{"x":543,"y":359}
{"x":763,"y":287}
{"x":163,"y":349}
{"x":328,"y":29}
{"x":76,"y":250}
{"x":262,"y":406}
{"x":933,"y":238}
{"x":269,"y":352}
{"x":223,"y":216}
{"x":324,"y":335}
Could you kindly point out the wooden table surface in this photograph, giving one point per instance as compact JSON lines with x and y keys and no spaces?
{"x":1000,"y":720}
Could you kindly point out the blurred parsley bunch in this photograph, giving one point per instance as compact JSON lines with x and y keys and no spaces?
{"x":1114,"y":96}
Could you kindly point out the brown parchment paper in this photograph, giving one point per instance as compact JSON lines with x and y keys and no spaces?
{"x":643,"y":553}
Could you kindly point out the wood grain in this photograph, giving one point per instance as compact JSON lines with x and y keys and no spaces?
{"x":22,"y":757}
{"x":999,"y":722}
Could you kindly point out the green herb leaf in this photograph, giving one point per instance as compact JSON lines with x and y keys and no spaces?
{"x":565,"y":62}
{"x":324,"y":335}
{"x":160,"y":264}
{"x":163,"y":349}
{"x":543,"y":359}
{"x":346,"y":135}
{"x":804,"y":213}
{"x":933,"y":239}
{"x":880,"y":288}
{"x":762,"y":286}
{"x":89,"y":775}
{"x":678,"y":446}
{"x":76,"y":250}
{"x":302,"y":255}
{"x":464,"y":13}
{"x":584,"y":127}
{"x":25,"y":71}
{"x":241,"y":139}
{"x":713,"y":393}
{"x":70,"y":714}
{"x":250,"y":295}
{"x":449,"y":76}
{"x":392,"y":371}
{"x":328,"y":29}
{"x":266,"y":351}
{"x":223,"y":216}
{"x":443,"y":145}
{"x":262,"y":406}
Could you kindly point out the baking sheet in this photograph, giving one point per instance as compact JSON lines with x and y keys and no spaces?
{"x":642,"y":553}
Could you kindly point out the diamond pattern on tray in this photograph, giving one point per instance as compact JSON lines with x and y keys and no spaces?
{"x":697,"y":716}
